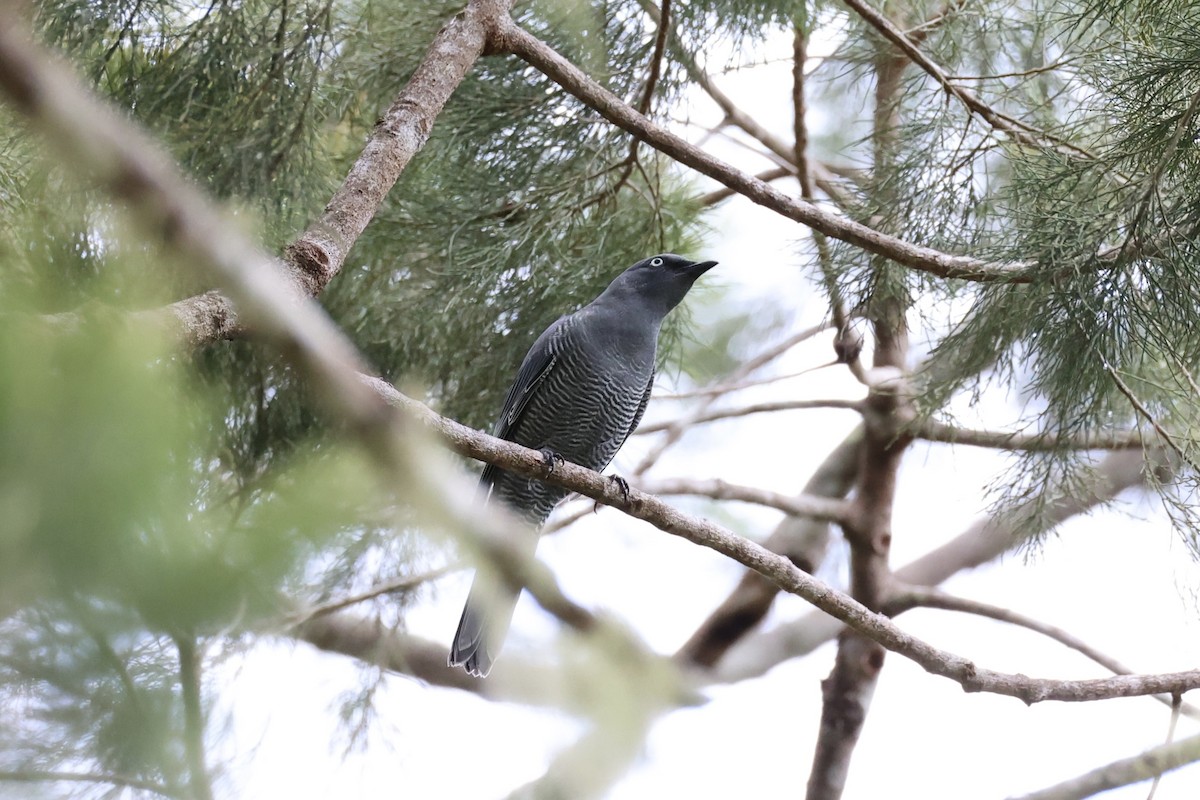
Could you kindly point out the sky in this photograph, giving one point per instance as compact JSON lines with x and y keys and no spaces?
{"x":1119,"y":578}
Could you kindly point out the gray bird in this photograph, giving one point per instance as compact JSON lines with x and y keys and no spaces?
{"x":580,"y":392}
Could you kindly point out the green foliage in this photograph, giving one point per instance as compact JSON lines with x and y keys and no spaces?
{"x":153,"y":498}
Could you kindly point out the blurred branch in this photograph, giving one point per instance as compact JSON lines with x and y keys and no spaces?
{"x":122,"y":781}
{"x":512,"y":38}
{"x":314,"y":257}
{"x":1142,"y":767}
{"x":906,"y":597}
{"x":515,"y":679}
{"x":199,"y":782}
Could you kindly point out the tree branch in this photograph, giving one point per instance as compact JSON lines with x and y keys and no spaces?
{"x":907,"y":597}
{"x":802,"y":505}
{"x":193,"y":717}
{"x":935,"y":431}
{"x":984,"y":541}
{"x":317,"y":255}
{"x":802,"y":540}
{"x":745,"y":411}
{"x":1019,"y":131}
{"x":680,"y":426}
{"x":123,"y":781}
{"x":513,"y":457}
{"x":516,"y":40}
{"x":1142,"y":767}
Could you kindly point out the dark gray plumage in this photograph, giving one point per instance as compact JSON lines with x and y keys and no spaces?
{"x":580,"y":392}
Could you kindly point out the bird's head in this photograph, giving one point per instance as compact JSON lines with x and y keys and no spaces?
{"x":661,"y":281}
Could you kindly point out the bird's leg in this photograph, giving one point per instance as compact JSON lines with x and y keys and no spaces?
{"x":550,"y":459}
{"x":622,"y":486}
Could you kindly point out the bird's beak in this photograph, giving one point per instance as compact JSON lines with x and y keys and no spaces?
{"x":699,"y":268}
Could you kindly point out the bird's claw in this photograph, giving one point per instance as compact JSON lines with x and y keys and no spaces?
{"x":622,"y":487}
{"x":550,"y":459}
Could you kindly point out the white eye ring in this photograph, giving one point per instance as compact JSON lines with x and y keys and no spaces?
{"x":656,"y":262}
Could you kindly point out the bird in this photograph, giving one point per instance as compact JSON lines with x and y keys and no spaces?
{"x":578,"y":395}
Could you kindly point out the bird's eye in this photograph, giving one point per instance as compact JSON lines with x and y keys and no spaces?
{"x":656,"y":262}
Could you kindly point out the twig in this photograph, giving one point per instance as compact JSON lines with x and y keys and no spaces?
{"x":676,"y":431}
{"x":745,"y":411}
{"x":729,"y":388}
{"x":193,"y":717}
{"x":984,"y":541}
{"x":801,"y":505}
{"x":907,"y":597}
{"x":934,"y":431}
{"x":724,"y":193}
{"x":837,"y":307}
{"x":402,"y":584}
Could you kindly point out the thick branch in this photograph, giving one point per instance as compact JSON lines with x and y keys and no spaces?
{"x":515,"y":679}
{"x":520,"y":42}
{"x":318,"y":254}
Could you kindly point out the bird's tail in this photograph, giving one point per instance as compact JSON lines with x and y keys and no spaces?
{"x":482,"y":628}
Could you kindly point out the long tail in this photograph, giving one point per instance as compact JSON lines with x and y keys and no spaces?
{"x":482,"y":628}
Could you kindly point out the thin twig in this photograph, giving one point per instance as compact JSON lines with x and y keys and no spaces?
{"x":802,"y":505}
{"x":745,"y":411}
{"x":401,"y":584}
{"x":934,"y":431}
{"x":676,"y":431}
{"x":906,"y":597}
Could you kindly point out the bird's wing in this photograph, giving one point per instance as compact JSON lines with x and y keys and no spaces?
{"x":641,"y":409}
{"x":537,"y":365}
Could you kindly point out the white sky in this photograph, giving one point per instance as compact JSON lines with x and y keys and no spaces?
{"x":1119,"y":579}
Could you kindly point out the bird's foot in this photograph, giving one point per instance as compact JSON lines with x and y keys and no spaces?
{"x":550,"y":459}
{"x":622,"y":486}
